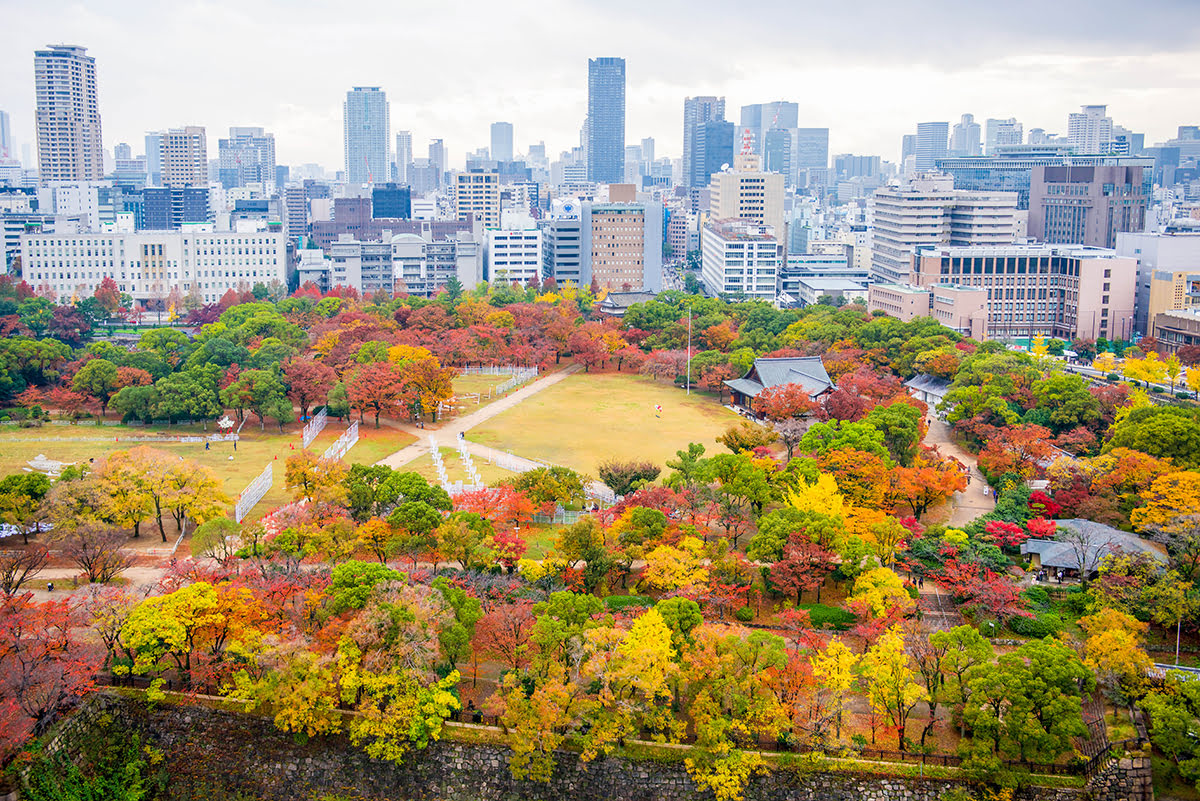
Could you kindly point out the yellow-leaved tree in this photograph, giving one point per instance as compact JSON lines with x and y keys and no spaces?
{"x":891,"y":684}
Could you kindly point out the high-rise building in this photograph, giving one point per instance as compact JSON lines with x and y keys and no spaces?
{"x":998,"y":133}
{"x":154,"y":158}
{"x":927,"y":211}
{"x":6,"y":142}
{"x":477,"y":194}
{"x":1090,"y":130}
{"x":648,"y":149}
{"x":246,"y":157}
{"x":502,"y":141}
{"x":777,"y":153}
{"x":67,"y":116}
{"x":606,"y":120}
{"x":168,"y":208}
{"x":697,"y":111}
{"x":1168,"y":273}
{"x":367,"y":133}
{"x":391,"y":201}
{"x":1012,"y":171}
{"x":1087,"y":205}
{"x":623,"y":245}
{"x":762,"y":117}
{"x":185,"y":156}
{"x":718,"y":138}
{"x":562,"y":239}
{"x":908,"y":147}
{"x":964,"y":140}
{"x":810,"y":156}
{"x":932,"y":138}
{"x":404,"y":155}
{"x":747,"y":193}
{"x":437,"y":159}
{"x":740,"y":259}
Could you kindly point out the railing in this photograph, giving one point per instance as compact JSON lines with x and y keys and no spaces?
{"x":519,"y":378}
{"x":253,"y":493}
{"x":313,"y":428}
{"x":344,"y":443}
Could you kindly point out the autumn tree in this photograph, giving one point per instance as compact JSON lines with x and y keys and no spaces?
{"x":623,"y":477}
{"x":374,"y":388}
{"x":746,"y":436}
{"x":784,"y":402}
{"x":315,"y":478}
{"x":308,"y":382}
{"x":18,"y":567}
{"x":833,"y":668}
{"x":1022,"y":449}
{"x":96,"y":549}
{"x":504,"y":631}
{"x":890,"y":683}
{"x":804,"y":567}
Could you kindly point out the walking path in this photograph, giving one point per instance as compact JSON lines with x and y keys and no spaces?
{"x":448,"y":433}
{"x":977,"y":498}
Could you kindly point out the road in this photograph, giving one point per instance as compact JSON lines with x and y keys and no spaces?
{"x":977,"y":499}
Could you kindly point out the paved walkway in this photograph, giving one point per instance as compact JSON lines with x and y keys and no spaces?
{"x":447,"y":433}
{"x":977,"y":499}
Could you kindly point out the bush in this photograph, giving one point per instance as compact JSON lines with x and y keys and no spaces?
{"x":1113,"y":377}
{"x":1157,"y":390}
{"x":745,"y":614}
{"x":615,"y":603}
{"x":828,"y":617}
{"x":1045,"y":624}
{"x":1183,"y":395}
{"x":1037,"y":596}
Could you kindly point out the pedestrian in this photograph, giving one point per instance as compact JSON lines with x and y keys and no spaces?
{"x":49,"y":586}
{"x":968,"y":478}
{"x":206,"y":443}
{"x":235,"y":444}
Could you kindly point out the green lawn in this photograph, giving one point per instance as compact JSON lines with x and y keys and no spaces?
{"x":255,"y":449}
{"x":589,"y":418}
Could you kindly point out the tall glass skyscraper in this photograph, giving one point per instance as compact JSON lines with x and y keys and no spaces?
{"x":367,"y":137}
{"x":606,"y":120}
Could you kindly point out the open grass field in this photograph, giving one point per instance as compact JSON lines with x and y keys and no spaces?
{"x":476,"y":391}
{"x":589,"y":418}
{"x":255,"y":449}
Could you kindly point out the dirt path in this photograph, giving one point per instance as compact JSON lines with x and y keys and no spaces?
{"x":977,"y":498}
{"x":447,"y":433}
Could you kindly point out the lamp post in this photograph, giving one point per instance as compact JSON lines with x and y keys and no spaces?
{"x":689,"y":351}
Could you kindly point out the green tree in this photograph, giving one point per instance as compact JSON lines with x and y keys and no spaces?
{"x":97,"y":378}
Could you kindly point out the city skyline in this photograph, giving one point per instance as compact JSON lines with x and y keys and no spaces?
{"x":867,"y":87}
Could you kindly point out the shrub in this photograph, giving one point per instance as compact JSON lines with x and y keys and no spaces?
{"x":1037,"y":596}
{"x":616,"y":603}
{"x":1183,"y":395}
{"x":1157,"y":390}
{"x":745,"y":614}
{"x":1045,"y":624}
{"x":1113,"y":377}
{"x":828,"y":617}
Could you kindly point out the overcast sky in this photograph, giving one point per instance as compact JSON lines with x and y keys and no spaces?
{"x":869,"y":70}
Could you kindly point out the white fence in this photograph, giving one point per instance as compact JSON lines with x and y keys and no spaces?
{"x":314,"y":427}
{"x":561,"y":517}
{"x":253,"y":493}
{"x":435,"y":453}
{"x":468,"y":463}
{"x":459,"y":487}
{"x":519,"y":378}
{"x":344,"y":443}
{"x":490,"y":369}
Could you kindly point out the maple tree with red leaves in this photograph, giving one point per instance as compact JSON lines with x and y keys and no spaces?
{"x":308,"y":382}
{"x":504,"y":631}
{"x":981,"y":591}
{"x":1004,"y":535}
{"x":504,"y":507}
{"x":784,"y":402}
{"x":804,"y":567}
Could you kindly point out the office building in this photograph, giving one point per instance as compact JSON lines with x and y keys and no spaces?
{"x":514,"y":251}
{"x":847,"y":165}
{"x":168,"y":208}
{"x":367,"y":133}
{"x":476,"y":195}
{"x":1087,"y":205}
{"x":1058,"y":291}
{"x":1168,"y":266}
{"x":502,"y":141}
{"x":697,"y":112}
{"x":606,"y":120}
{"x":810,"y":156}
{"x":404,"y":156}
{"x":438,"y":161}
{"x":965,"y":138}
{"x":153,"y":266}
{"x":622,"y":245}
{"x":716,"y":144}
{"x":562,"y":239}
{"x":762,"y":117}
{"x":1012,"y":170}
{"x":960,"y":308}
{"x":739,"y":259}
{"x":747,"y":193}
{"x":295,"y":211}
{"x":926,"y":211}
{"x":247,"y":157}
{"x":1090,"y":130}
{"x":1002,"y":133}
{"x":777,"y":153}
{"x":6,"y":140}
{"x":153,"y":142}
{"x":184,"y":154}
{"x":391,"y":201}
{"x":932,"y":139}
{"x":67,"y":115}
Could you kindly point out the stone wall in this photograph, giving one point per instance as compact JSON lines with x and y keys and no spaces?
{"x":1125,"y":779}
{"x":213,"y":754}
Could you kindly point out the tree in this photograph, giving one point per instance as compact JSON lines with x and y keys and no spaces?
{"x":218,"y":538}
{"x":669,"y":567}
{"x":315,"y":478}
{"x":746,"y":436}
{"x":790,"y":432}
{"x":375,"y":388}
{"x":260,"y":391}
{"x":98,"y":550}
{"x":880,"y":593}
{"x":190,"y":394}
{"x":548,"y":486}
{"x":1021,"y":449}
{"x":891,"y":684}
{"x":125,"y":492}
{"x":504,"y":631}
{"x":1068,"y":401}
{"x":902,"y":425}
{"x":1169,"y":497}
{"x":308,"y":382}
{"x":461,"y":537}
{"x":98,"y":378}
{"x":784,"y":402}
{"x":1162,"y":431}
{"x":926,"y":484}
{"x":962,"y":648}
{"x":1114,"y":651}
{"x":804,"y":567}
{"x":21,"y":497}
{"x":625,"y":477}
{"x":17,"y":567}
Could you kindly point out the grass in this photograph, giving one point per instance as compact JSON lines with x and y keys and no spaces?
{"x":589,"y":418}
{"x":255,"y":450}
{"x":455,"y":470}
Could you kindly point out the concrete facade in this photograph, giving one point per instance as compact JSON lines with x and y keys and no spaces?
{"x":740,"y":259}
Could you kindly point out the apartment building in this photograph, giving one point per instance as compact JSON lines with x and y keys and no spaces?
{"x":476,"y":194}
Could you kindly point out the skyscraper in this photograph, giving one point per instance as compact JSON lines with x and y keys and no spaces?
{"x":404,"y":155}
{"x":6,"y":143}
{"x":185,"y":157}
{"x":931,"y":143}
{"x":366,"y":119}
{"x":810,"y":156}
{"x":68,"y":117}
{"x":1002,"y":132}
{"x":154,"y":158}
{"x":502,"y":141}
{"x":762,"y":117}
{"x":1090,"y":130}
{"x":437,"y":159}
{"x":696,"y":112}
{"x":606,"y":120}
{"x":247,"y":156}
{"x":964,"y":141}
